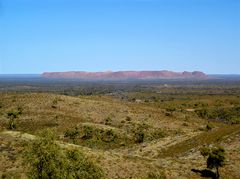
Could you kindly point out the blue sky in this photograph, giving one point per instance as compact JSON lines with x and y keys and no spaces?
{"x":99,"y":35}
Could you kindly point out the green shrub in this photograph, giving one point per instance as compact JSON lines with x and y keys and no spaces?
{"x":230,"y":115}
{"x":98,"y":136}
{"x":108,"y":136}
{"x":54,"y":103}
{"x":87,"y":132}
{"x":156,"y":175}
{"x":81,"y":167}
{"x":12,"y":124}
{"x":72,"y":134}
{"x":168,"y":114}
{"x":235,"y":120}
{"x":13,"y":115}
{"x":108,"y":121}
{"x":203,"y":113}
{"x":156,"y":134}
{"x":171,"y":109}
{"x":209,"y":127}
{"x":10,"y":175}
{"x":20,"y":110}
{"x":139,"y":136}
{"x":128,"y":118}
{"x":45,"y":159}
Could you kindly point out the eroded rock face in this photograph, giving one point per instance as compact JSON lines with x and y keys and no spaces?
{"x":125,"y":75}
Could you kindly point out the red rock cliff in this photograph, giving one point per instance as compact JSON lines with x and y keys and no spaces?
{"x":125,"y":75}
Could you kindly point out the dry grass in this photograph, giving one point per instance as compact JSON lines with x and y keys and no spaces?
{"x":175,"y":152}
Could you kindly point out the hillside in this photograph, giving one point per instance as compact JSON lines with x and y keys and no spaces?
{"x":173,"y":132}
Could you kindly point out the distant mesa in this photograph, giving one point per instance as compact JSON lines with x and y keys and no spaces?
{"x":124,"y":75}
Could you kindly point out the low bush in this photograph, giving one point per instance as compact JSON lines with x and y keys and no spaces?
{"x":55,"y":103}
{"x":230,"y":115}
{"x":12,"y":124}
{"x":12,"y":116}
{"x":72,"y":133}
{"x":128,"y":118}
{"x":139,"y":136}
{"x":156,"y":175}
{"x":96,"y":137}
{"x":108,"y":121}
{"x":45,"y":159}
{"x":209,"y":127}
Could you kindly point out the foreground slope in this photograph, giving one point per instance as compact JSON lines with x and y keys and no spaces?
{"x":108,"y":131}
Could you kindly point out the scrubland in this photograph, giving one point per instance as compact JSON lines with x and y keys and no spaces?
{"x":128,"y":134}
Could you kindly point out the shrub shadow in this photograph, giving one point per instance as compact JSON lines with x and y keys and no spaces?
{"x":205,"y":173}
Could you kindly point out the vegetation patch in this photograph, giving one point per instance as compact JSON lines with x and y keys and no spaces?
{"x":97,"y":136}
{"x":45,"y":159}
{"x":226,"y":114}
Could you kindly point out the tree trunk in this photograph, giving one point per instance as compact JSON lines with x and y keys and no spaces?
{"x":217,"y":174}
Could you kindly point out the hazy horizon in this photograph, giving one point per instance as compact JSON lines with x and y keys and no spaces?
{"x":39,"y":74}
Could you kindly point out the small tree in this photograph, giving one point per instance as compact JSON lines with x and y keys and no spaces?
{"x":45,"y":158}
{"x":215,"y":158}
{"x":12,"y":115}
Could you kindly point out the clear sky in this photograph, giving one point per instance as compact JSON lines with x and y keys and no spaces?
{"x":99,"y":35}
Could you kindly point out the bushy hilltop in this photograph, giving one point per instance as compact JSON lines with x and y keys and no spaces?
{"x":120,"y":75}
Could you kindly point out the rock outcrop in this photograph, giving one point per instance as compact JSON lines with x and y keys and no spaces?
{"x":122,"y":75}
